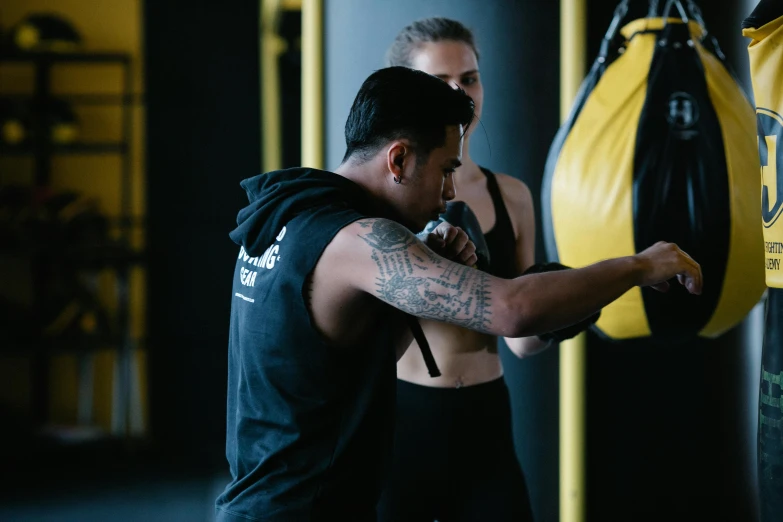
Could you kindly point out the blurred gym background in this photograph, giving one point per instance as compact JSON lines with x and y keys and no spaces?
{"x":126,"y":127}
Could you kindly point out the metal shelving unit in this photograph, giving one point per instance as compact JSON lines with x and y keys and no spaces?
{"x":118,"y":255}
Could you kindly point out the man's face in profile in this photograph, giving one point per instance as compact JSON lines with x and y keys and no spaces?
{"x":432,"y":182}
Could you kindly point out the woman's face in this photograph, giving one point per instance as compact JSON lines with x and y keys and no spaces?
{"x":455,"y":63}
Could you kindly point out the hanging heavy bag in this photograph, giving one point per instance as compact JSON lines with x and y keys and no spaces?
{"x":765,"y":28}
{"x":659,"y":146}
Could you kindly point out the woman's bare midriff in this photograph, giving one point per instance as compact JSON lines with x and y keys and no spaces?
{"x":464,"y":357}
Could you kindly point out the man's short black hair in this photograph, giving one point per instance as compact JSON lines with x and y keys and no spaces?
{"x":398,"y":102}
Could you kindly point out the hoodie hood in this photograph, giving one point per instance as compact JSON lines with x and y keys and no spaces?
{"x":277,"y":197}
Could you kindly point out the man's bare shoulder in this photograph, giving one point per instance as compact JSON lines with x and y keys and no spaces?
{"x":377,"y":233}
{"x":360,"y":245}
{"x":340,"y":294}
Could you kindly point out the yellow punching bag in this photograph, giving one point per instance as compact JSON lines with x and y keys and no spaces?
{"x":659,"y":147}
{"x":765,"y":28}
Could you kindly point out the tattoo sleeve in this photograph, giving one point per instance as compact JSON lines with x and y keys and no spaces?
{"x":415,"y":280}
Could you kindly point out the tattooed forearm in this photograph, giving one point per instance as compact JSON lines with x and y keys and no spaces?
{"x":441,"y":290}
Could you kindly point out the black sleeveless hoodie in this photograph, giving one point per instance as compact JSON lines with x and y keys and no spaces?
{"x":308,"y":428}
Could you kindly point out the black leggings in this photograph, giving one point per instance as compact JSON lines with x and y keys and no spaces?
{"x":454,"y":458}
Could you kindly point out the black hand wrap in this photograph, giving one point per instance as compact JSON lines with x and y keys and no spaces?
{"x":569,"y":331}
{"x":459,"y":215}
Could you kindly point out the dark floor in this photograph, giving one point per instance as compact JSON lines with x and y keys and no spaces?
{"x":148,"y":500}
{"x":108,"y":485}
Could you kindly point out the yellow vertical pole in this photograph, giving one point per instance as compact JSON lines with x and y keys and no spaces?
{"x":271,"y":102}
{"x":573,"y":22}
{"x":573,"y":44}
{"x":312,"y":84}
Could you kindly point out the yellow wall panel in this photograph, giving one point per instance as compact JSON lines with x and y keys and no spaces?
{"x":104,"y":26}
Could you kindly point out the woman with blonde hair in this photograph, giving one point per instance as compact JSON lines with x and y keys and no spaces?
{"x":454,"y":455}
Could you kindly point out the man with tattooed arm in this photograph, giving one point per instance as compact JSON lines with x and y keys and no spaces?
{"x":329,"y":271}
